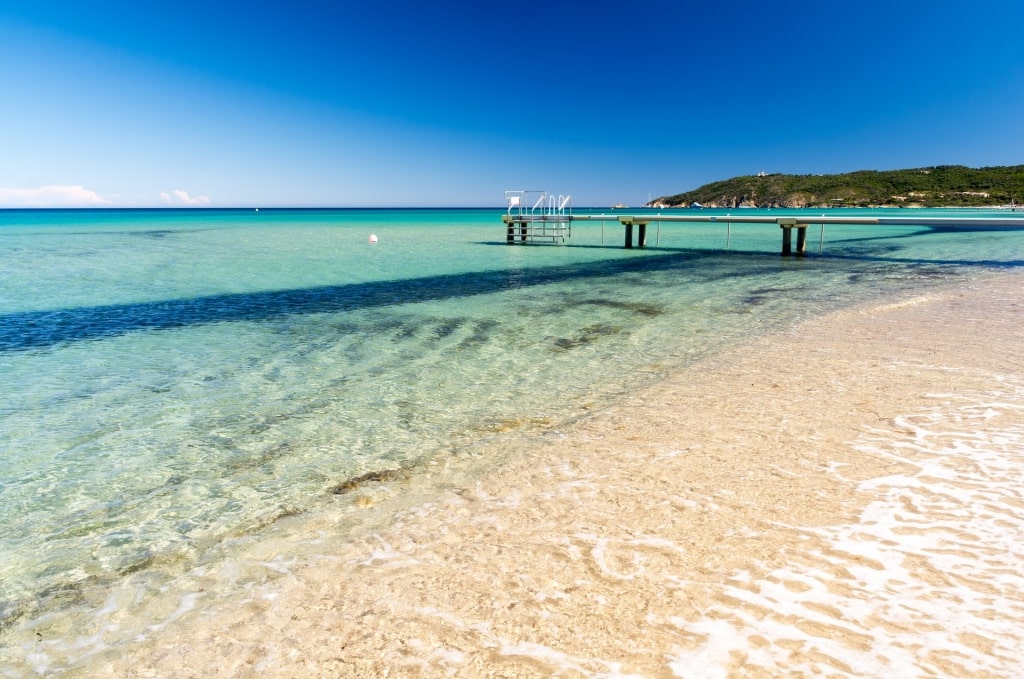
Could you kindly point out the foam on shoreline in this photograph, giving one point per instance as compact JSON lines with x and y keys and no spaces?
{"x":842,"y":499}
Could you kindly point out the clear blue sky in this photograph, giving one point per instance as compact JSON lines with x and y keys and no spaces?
{"x":385,"y":102}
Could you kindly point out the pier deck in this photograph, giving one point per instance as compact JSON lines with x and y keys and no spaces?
{"x":551,"y":219}
{"x":800,"y":223}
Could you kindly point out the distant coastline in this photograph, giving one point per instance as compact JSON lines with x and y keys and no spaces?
{"x":943,"y":186}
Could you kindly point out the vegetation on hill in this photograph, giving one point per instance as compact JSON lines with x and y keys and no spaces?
{"x":940,"y":186}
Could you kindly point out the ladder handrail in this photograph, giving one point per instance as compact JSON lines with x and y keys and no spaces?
{"x":546,"y":205}
{"x":539,"y":203}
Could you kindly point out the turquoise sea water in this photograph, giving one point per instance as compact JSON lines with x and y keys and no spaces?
{"x":175,"y":380}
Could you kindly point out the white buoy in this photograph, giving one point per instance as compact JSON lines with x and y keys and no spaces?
{"x":373,"y":238}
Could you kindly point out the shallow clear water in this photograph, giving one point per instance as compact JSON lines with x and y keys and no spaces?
{"x":174,"y":379}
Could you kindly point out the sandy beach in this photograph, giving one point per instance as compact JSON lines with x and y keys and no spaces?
{"x":842,"y":499}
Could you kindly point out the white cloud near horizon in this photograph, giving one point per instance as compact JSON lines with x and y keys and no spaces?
{"x":51,"y":196}
{"x":181,"y":197}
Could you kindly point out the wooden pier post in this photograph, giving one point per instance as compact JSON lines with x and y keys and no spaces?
{"x":641,"y":236}
{"x":510,"y":236}
{"x":801,"y":239}
{"x":787,"y":224}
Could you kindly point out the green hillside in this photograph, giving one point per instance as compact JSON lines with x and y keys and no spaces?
{"x":940,"y":186}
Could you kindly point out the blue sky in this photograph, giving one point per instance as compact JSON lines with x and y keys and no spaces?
{"x":304,"y":103}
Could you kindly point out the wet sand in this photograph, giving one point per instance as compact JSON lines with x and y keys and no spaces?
{"x":843,"y":499}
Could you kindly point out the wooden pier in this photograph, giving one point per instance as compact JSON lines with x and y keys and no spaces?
{"x":790,"y":223}
{"x":551,"y":219}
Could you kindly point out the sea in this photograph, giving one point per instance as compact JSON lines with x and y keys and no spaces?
{"x":178,"y":382}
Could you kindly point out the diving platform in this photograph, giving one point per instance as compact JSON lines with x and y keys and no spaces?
{"x":547,"y":218}
{"x":536,"y":216}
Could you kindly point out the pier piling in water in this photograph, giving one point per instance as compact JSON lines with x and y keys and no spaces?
{"x":641,"y":224}
{"x":787,"y":224}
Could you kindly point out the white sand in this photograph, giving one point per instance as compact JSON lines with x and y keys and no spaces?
{"x":845,"y":499}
